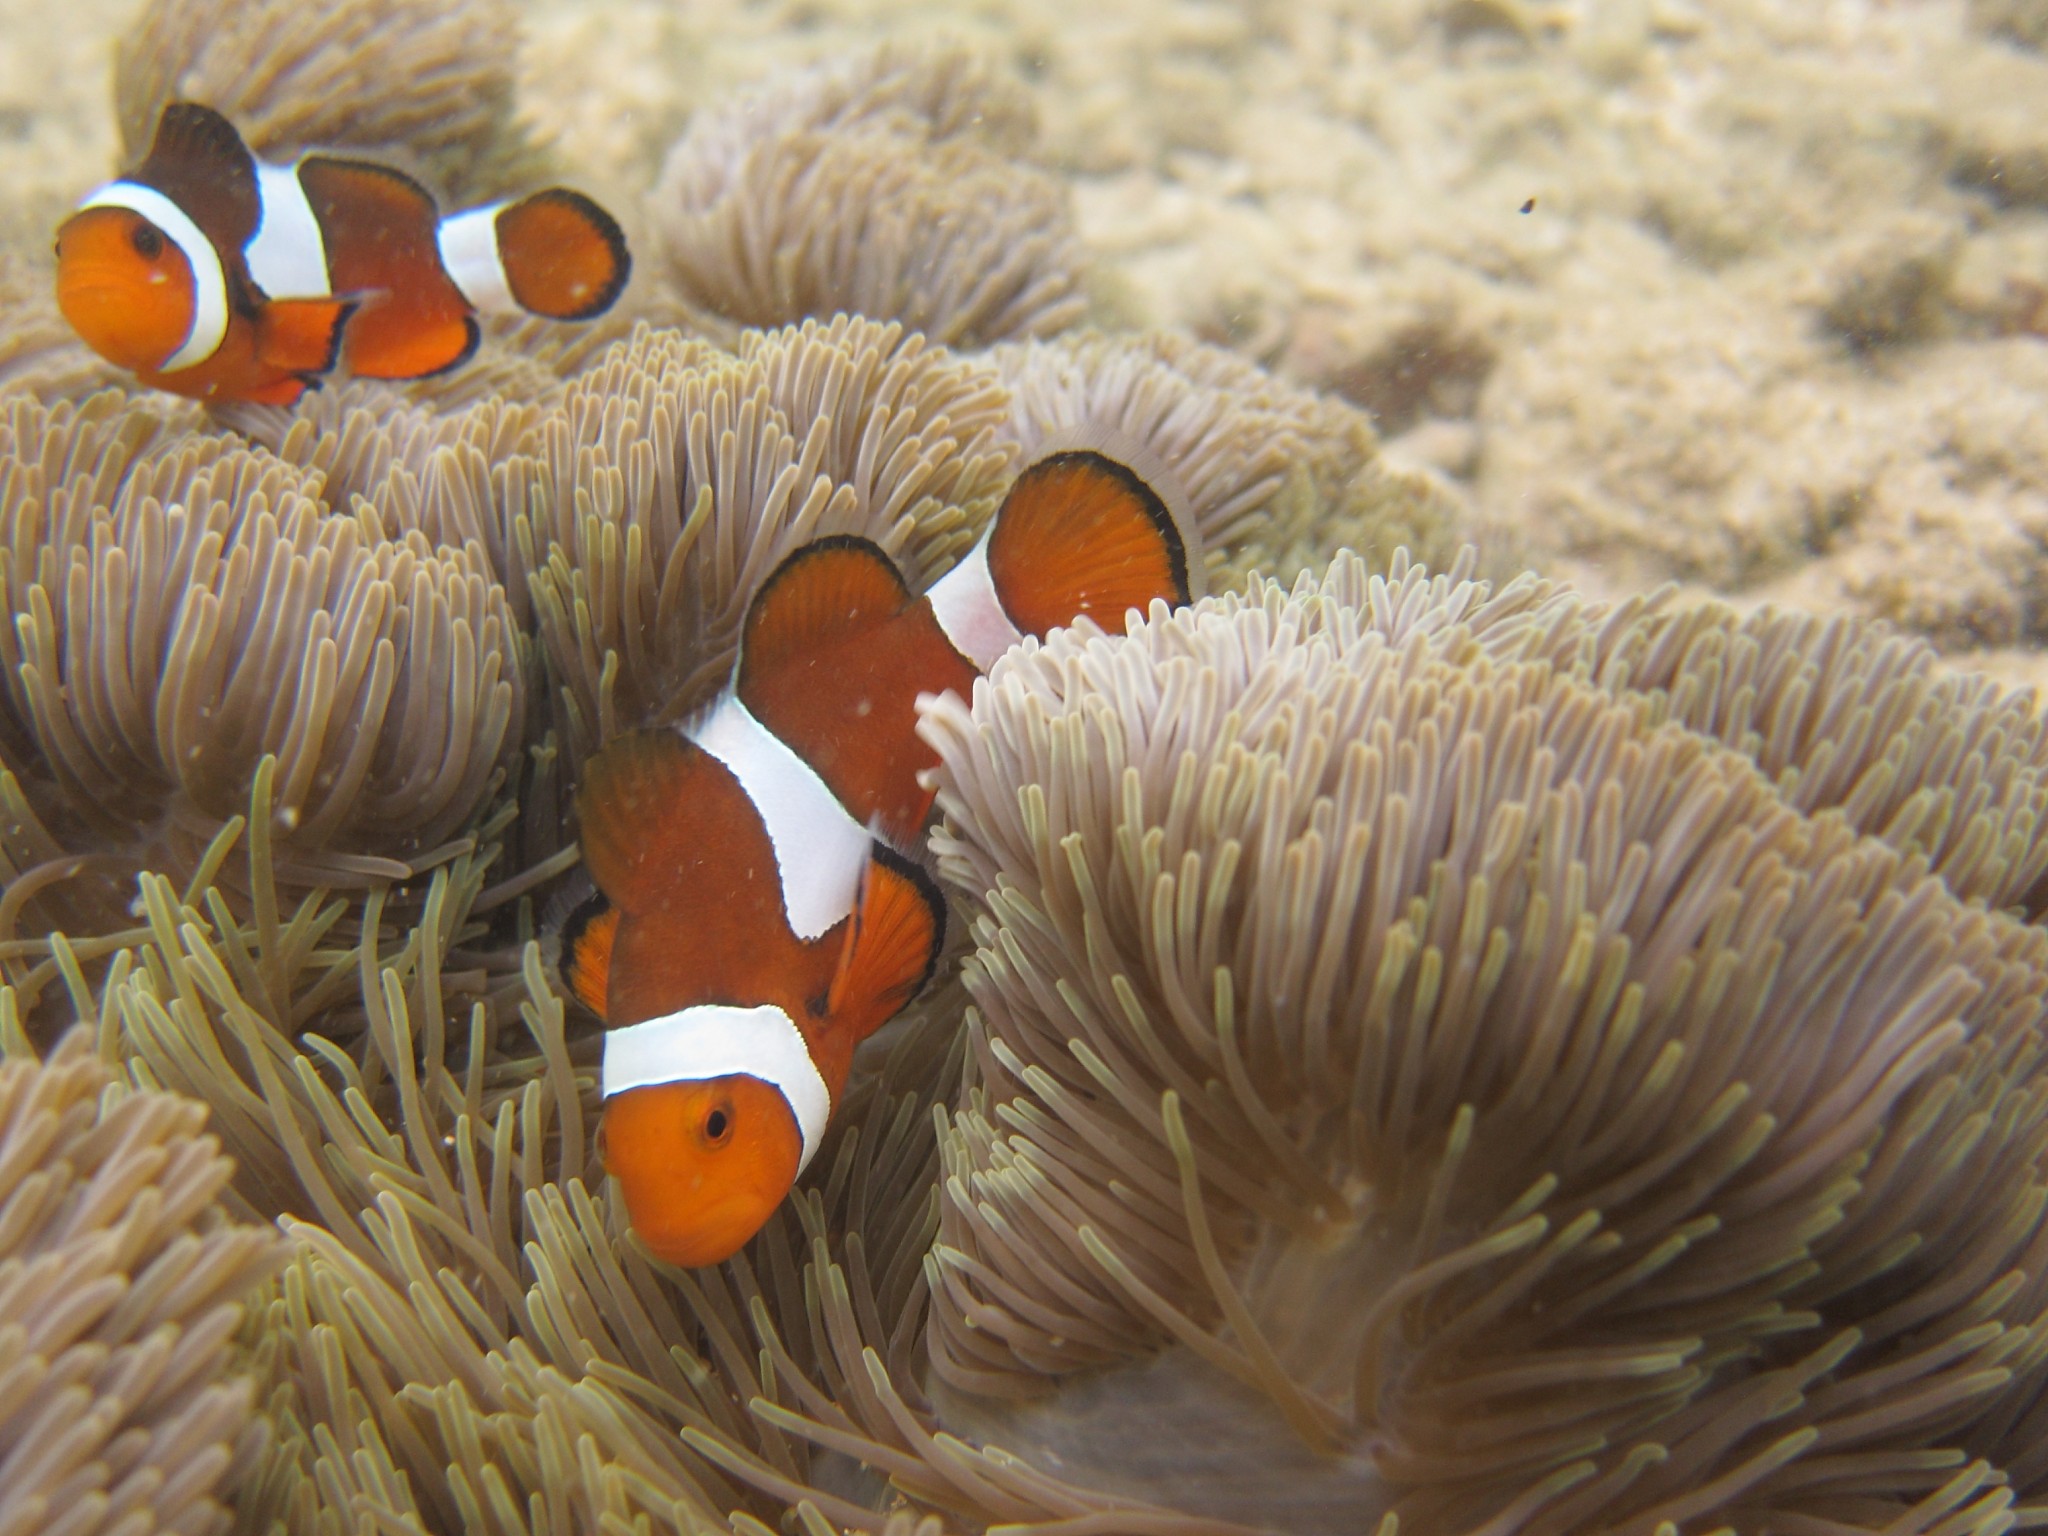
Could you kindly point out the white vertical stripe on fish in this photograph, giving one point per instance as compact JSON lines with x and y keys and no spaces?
{"x":469,"y":255}
{"x":820,"y":850}
{"x":713,"y":1040}
{"x":209,"y":281}
{"x":287,"y":255}
{"x":964,"y":602}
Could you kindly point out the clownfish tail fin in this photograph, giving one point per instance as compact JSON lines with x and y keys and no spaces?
{"x":892,"y":943}
{"x":562,"y":256}
{"x":1082,"y":534}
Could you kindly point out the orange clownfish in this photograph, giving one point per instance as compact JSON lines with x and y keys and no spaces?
{"x":208,"y":274}
{"x":755,"y":918}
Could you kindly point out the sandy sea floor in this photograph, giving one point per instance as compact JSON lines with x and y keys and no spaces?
{"x":1745,"y":295}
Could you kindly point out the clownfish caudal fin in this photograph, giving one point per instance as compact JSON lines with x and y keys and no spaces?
{"x":822,"y":596}
{"x":586,"y":960}
{"x":554,"y":253}
{"x":892,"y":945}
{"x":302,"y":336}
{"x":1082,"y":534}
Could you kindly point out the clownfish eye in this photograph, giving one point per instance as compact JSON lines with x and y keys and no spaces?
{"x":147,"y":240}
{"x":718,"y":1126}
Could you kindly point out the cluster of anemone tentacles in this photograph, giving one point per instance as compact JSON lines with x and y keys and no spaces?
{"x":1423,"y":1058}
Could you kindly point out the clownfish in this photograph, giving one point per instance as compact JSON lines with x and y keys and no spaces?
{"x":756,"y":915}
{"x":208,"y":274}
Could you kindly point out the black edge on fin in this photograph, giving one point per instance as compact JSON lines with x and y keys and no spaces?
{"x":769,"y":596}
{"x":934,"y":899}
{"x":1148,"y":500}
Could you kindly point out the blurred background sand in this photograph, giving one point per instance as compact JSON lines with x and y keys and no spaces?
{"x":1776,"y":325}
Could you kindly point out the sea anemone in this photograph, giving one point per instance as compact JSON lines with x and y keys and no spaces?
{"x":1839,"y":713}
{"x":896,"y":185}
{"x":188,"y":607}
{"x":1446,"y":1069}
{"x":1409,"y":1071}
{"x":429,"y":84}
{"x":123,"y":1291}
{"x":1274,"y":476}
{"x":674,"y":476}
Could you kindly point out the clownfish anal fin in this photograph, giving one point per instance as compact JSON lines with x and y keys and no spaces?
{"x":892,"y":944}
{"x":302,"y":335}
{"x":586,"y":961}
{"x":628,"y":806}
{"x":284,"y":391}
{"x":1082,"y":535}
{"x":199,"y":162}
{"x":821,"y":596}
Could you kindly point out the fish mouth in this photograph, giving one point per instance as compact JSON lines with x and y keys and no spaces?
{"x":103,"y":313}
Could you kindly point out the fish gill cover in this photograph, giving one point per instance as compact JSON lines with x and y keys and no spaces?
{"x":1426,"y":1056}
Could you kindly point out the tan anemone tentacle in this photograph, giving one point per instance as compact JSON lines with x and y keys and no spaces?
{"x":1552,"y":1084}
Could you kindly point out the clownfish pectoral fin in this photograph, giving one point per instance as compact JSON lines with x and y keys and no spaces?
{"x":586,"y":961}
{"x":892,"y":945}
{"x":302,"y":335}
{"x":821,"y":596}
{"x":563,"y":256}
{"x":199,"y":162}
{"x":1082,"y":534}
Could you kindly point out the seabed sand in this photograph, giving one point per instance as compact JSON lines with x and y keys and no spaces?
{"x":1773,"y":326}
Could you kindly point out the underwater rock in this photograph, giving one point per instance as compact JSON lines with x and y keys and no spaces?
{"x":124,"y":1291}
{"x":897,"y":185}
{"x":2020,"y":21}
{"x":1891,"y":285}
{"x":429,"y":84}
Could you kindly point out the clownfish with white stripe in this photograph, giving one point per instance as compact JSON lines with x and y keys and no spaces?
{"x":209,"y":274}
{"x":756,"y":916}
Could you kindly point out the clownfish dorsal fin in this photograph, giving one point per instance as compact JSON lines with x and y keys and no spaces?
{"x":302,"y":336}
{"x":586,"y":960}
{"x":892,"y":944}
{"x":1082,"y":534}
{"x":821,"y":596}
{"x":200,"y":163}
{"x":381,"y":232}
{"x":633,"y":837}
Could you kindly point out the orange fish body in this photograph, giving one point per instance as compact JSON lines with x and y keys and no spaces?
{"x":208,"y":274}
{"x":755,"y":920}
